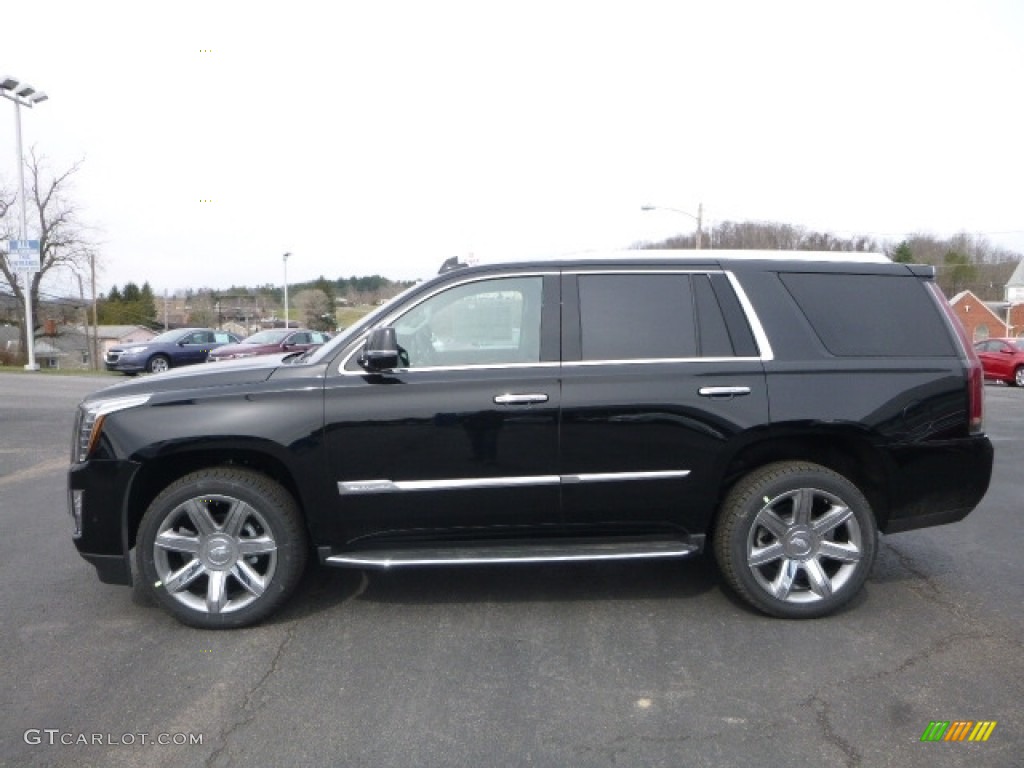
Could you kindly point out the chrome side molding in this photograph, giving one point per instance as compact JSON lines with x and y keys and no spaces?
{"x":360,"y":487}
{"x":525,"y":552}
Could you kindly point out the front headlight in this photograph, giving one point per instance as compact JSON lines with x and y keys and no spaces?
{"x":90,"y":421}
{"x":135,"y":350}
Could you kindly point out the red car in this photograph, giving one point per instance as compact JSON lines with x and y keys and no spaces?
{"x":270,"y":343}
{"x":1002,"y":359}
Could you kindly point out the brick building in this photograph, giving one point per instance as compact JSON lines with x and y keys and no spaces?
{"x":993,"y":319}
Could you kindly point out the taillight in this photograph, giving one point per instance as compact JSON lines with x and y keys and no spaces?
{"x":976,"y":384}
{"x":975,"y":375}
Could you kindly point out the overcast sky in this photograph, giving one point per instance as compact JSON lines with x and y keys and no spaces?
{"x":384,"y":137}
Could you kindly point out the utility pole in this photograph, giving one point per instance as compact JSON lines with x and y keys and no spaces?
{"x":95,"y":315}
{"x":700,"y":219}
{"x":165,"y":310}
{"x":85,"y":318}
{"x":285,"y":259}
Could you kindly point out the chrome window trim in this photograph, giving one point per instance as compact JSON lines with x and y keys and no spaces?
{"x":435,"y":368}
{"x":766,"y":354}
{"x":366,"y":487}
{"x":763,"y":345}
{"x":654,"y":360}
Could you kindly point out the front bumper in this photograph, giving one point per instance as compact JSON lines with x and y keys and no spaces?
{"x":103,"y":539}
{"x":129,"y":365}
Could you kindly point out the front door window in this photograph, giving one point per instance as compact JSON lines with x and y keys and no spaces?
{"x":487,"y":322}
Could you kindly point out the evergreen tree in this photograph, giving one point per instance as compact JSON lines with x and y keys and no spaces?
{"x":147,"y":304}
{"x":901,"y":254}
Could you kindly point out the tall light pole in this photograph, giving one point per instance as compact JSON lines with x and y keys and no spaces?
{"x":285,"y":260}
{"x":23,"y":94}
{"x":699,"y":218}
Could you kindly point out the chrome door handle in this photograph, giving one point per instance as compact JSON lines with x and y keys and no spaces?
{"x":530,"y":399}
{"x":723,"y":391}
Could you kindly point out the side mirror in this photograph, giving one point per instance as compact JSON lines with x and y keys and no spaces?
{"x":380,"y":353}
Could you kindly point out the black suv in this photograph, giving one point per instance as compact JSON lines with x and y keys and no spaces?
{"x":783,"y":407}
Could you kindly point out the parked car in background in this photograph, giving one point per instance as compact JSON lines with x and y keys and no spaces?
{"x":185,"y":346}
{"x":1003,"y":360}
{"x":271,"y":342}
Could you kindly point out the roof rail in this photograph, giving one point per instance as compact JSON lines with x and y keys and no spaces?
{"x":722,"y":255}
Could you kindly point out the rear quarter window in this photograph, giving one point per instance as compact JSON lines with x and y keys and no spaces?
{"x":870,"y":315}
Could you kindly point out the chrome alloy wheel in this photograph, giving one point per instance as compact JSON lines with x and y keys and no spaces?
{"x":159,"y":364}
{"x":804,"y":545}
{"x":214,"y":554}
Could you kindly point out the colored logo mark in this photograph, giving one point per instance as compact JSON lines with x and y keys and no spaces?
{"x":958,"y":730}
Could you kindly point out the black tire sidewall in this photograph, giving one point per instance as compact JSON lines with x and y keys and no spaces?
{"x":278,"y":509}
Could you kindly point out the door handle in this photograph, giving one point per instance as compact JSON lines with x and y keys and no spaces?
{"x":529,"y":399}
{"x":723,"y":391}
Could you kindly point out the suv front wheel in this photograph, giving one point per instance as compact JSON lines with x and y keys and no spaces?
{"x":795,"y":540}
{"x":221,"y":547}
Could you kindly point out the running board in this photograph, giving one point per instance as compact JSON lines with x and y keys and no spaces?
{"x":541,"y":552}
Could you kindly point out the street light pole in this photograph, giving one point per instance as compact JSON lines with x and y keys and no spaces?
{"x":699,"y":218}
{"x":23,"y":94}
{"x":285,"y":259}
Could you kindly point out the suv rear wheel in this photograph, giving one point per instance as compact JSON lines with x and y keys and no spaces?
{"x":795,"y":540}
{"x":221,"y":548}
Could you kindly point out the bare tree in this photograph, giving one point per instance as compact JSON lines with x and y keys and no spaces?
{"x":63,"y":240}
{"x":315,"y":309}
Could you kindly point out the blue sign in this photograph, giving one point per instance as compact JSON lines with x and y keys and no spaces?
{"x":23,"y":255}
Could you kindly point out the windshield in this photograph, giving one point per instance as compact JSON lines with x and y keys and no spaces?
{"x":169,"y":336}
{"x":1019,"y":344}
{"x":267,"y":337}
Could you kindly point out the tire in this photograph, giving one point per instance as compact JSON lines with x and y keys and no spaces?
{"x":795,"y":540}
{"x":222,"y":548}
{"x":1018,"y":377}
{"x":158,"y":364}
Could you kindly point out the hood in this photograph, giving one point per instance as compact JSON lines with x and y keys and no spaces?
{"x":248,"y":349}
{"x":246,"y":370}
{"x":130,"y":344}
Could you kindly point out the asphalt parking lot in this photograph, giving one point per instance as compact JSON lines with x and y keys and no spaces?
{"x":579,"y":665}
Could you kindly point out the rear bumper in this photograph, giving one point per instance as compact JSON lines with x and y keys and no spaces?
{"x":938,"y":483}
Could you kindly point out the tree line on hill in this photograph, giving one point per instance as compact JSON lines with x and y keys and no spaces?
{"x":962,"y":262}
{"x":312,"y":303}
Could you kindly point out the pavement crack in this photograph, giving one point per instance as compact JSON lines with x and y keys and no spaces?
{"x":925,"y":586}
{"x":823,"y":714}
{"x":250,"y":706}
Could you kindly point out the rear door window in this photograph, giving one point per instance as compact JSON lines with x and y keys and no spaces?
{"x":636,"y":316}
{"x":659,"y":316}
